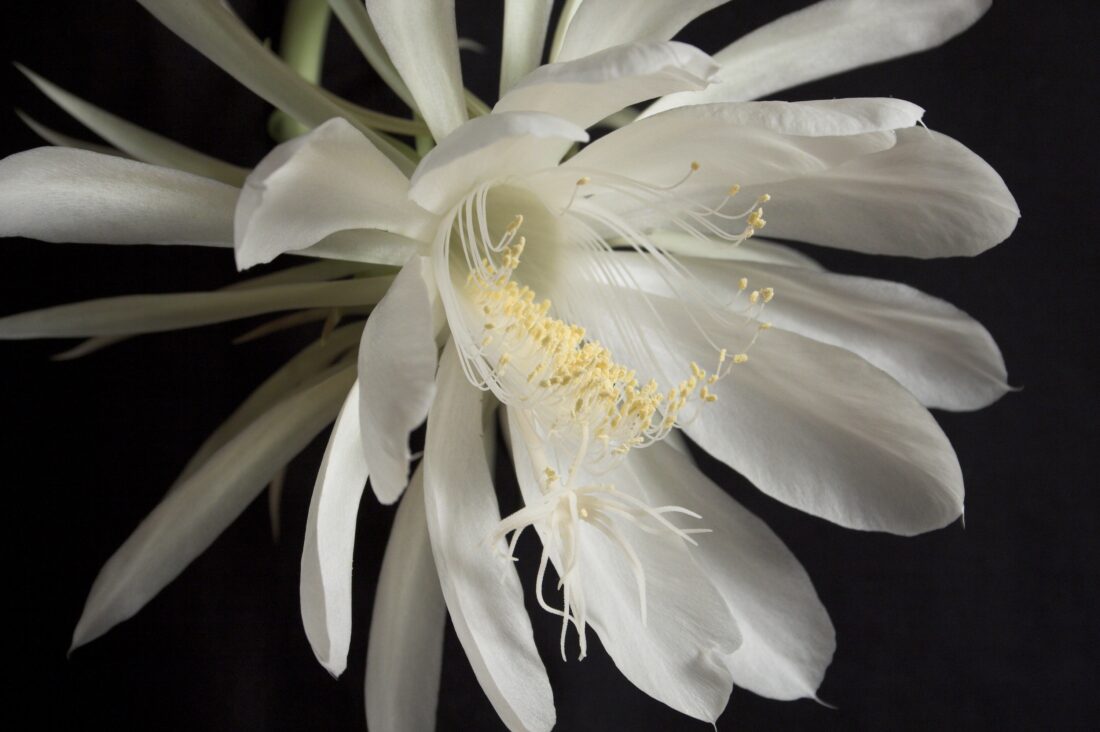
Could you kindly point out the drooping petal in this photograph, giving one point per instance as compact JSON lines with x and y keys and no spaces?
{"x":422,"y":42}
{"x":295,"y":374}
{"x":590,"y":88}
{"x":600,"y":24}
{"x":65,"y":195}
{"x":677,"y":655}
{"x":823,"y":117}
{"x":60,"y":139}
{"x":405,"y":651}
{"x":192,"y":516}
{"x":939,"y":353}
{"x":489,"y":147}
{"x":397,"y":364}
{"x":787,"y":637}
{"x":928,"y":196}
{"x":153,"y":313}
{"x":483,"y":592}
{"x":812,"y":425}
{"x":525,"y":23}
{"x":827,"y":38}
{"x":140,"y":143}
{"x":329,"y":180}
{"x":325,"y":590}
{"x":212,"y":29}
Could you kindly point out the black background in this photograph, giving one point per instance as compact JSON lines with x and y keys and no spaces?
{"x":991,"y":626}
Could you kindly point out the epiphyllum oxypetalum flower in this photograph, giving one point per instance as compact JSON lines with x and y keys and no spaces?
{"x":517,"y":249}
{"x":826,"y":415}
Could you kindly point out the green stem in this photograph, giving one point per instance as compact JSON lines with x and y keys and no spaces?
{"x":302,"y":46}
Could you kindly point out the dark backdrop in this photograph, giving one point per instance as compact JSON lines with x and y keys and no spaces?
{"x":991,"y":626}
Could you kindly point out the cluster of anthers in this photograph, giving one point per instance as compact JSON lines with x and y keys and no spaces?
{"x":567,"y":392}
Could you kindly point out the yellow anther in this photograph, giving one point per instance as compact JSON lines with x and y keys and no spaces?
{"x":694,"y":166}
{"x":765,"y":326}
{"x":741,"y":358}
{"x":516,"y":223}
{"x":733,"y":190}
{"x":764,"y":198}
{"x":584,"y":513}
{"x":583,"y":180}
{"x":742,"y":284}
{"x":754,"y":297}
{"x":768,"y":294}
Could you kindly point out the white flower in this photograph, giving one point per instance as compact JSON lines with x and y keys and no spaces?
{"x":606,"y":296}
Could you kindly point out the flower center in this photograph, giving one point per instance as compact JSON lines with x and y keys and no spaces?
{"x":578,"y":410}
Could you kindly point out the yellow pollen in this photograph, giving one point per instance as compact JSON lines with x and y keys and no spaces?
{"x":742,"y":284}
{"x":741,"y":358}
{"x":694,"y":166}
{"x":583,"y":180}
{"x":733,"y":190}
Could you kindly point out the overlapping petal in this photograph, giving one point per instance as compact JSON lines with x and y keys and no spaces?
{"x":827,"y":38}
{"x":330,"y":180}
{"x":600,"y":24}
{"x":484,"y":597}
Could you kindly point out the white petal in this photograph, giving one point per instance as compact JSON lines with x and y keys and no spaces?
{"x":756,"y":249}
{"x":525,"y":23}
{"x":353,"y":16}
{"x":677,"y":656}
{"x":328,"y":180}
{"x":729,"y":145}
{"x":137,"y":141}
{"x":397,"y":364}
{"x":325,"y":590}
{"x":928,"y":196}
{"x":600,"y":24}
{"x":812,"y":425}
{"x":153,"y":313}
{"x":192,"y":516}
{"x":212,"y":29}
{"x":827,"y":38}
{"x":487,"y":148}
{"x":787,"y":637}
{"x":939,"y":353}
{"x":483,"y":593}
{"x":371,"y":246}
{"x":64,"y":195}
{"x":590,"y":88}
{"x":824,"y":117}
{"x":405,"y":652}
{"x":421,"y":39}
{"x":60,"y":139}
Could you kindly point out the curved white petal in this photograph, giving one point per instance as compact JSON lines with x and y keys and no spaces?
{"x":483,"y":592}
{"x":827,"y":38}
{"x":152,"y":313}
{"x":787,"y":637}
{"x":487,"y":148}
{"x":369,"y":246}
{"x":600,"y":24}
{"x":212,"y":29}
{"x":405,"y":651}
{"x":199,"y":509}
{"x":756,"y":249}
{"x":421,"y":40}
{"x":353,"y":16}
{"x":137,"y":141}
{"x":928,"y":196}
{"x":65,"y":195}
{"x":812,"y":425}
{"x":730,"y":144}
{"x":936,"y":351}
{"x":397,"y":364}
{"x":525,"y":25}
{"x":823,"y":117}
{"x":677,"y":655}
{"x":325,"y":588}
{"x":590,"y":88}
{"x":60,"y":139}
{"x":326,"y":181}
